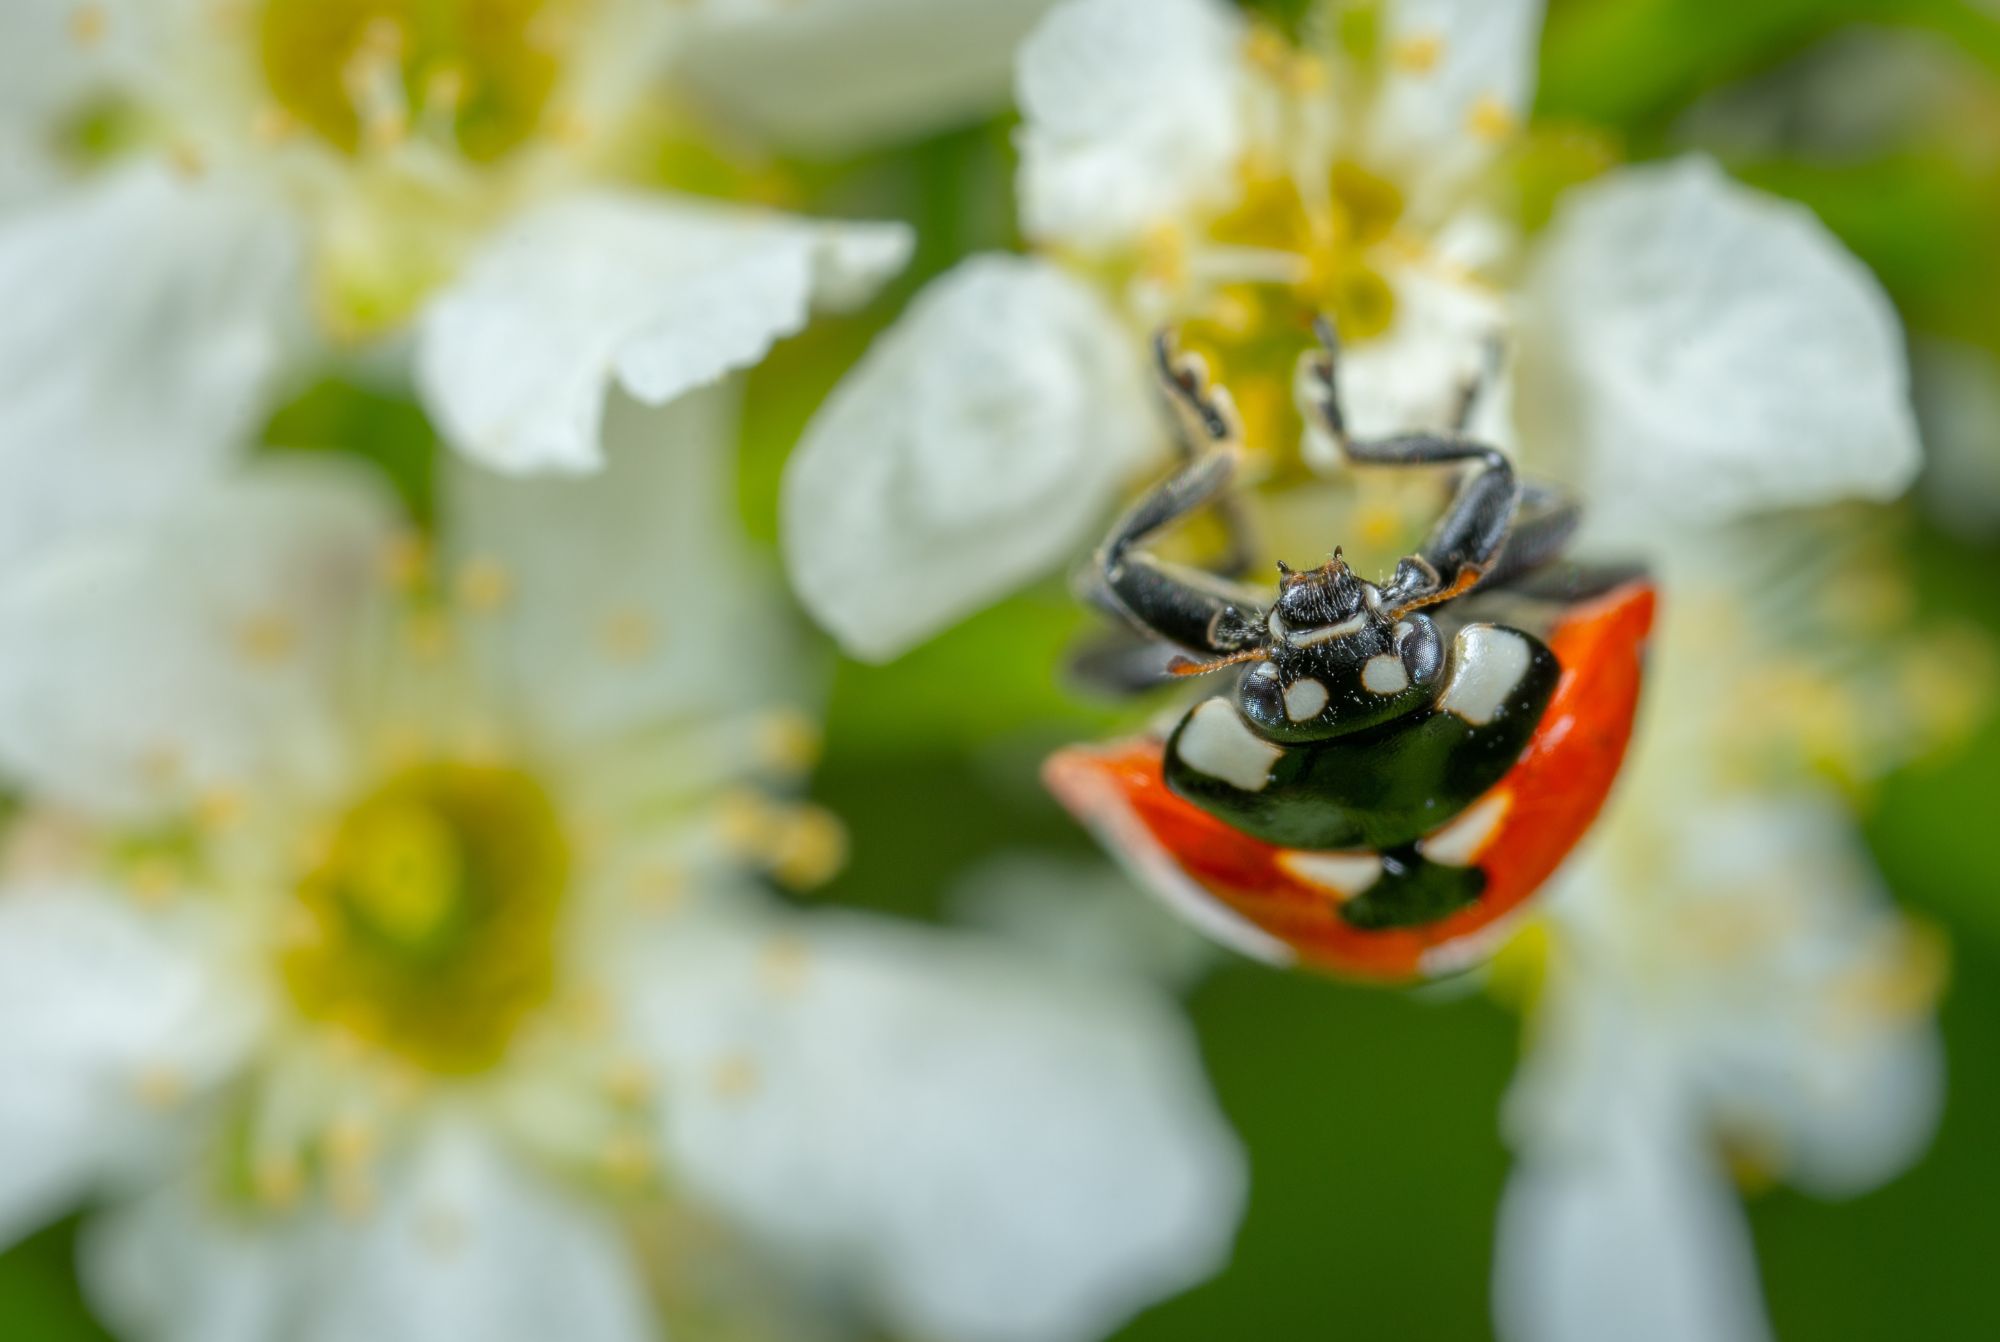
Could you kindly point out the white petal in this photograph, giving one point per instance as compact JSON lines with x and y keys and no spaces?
{"x":54,"y":54}
{"x":1637,"y":1238}
{"x":515,"y":357}
{"x":830,"y":75}
{"x":466,"y":1244}
{"x":1436,"y":117}
{"x":1086,"y":915}
{"x":1760,"y":960}
{"x":975,"y":447}
{"x":195,"y":654}
{"x":1822,"y":1048}
{"x":177,"y":1266}
{"x":1411,"y":375}
{"x":1133,"y":110}
{"x":472,"y":1244}
{"x":992,"y":1150}
{"x":630,"y":598}
{"x":96,"y":1001}
{"x":145,"y":321}
{"x":1696,"y":350}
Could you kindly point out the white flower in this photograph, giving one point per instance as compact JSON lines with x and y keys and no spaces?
{"x":195,"y":199}
{"x":1724,"y":984}
{"x":1180,"y":167}
{"x":1726,"y":979}
{"x":378,"y":951}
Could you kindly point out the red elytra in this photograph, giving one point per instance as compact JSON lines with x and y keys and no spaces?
{"x":1553,"y":793}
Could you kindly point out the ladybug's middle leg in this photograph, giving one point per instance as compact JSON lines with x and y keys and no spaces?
{"x":1465,"y":543}
{"x":1543,"y":525}
{"x":1198,"y":611}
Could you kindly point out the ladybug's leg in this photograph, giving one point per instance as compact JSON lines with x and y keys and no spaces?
{"x":1205,"y":421}
{"x":1465,"y":543}
{"x":1185,"y":606}
{"x":1543,"y":525}
{"x":1197,"y":610}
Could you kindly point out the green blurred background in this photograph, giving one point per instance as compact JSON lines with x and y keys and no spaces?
{"x":1370,"y":1117}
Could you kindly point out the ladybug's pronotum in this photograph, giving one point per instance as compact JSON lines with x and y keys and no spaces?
{"x":1397,"y":767}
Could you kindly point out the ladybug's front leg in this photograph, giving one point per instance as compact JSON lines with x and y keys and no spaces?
{"x":1198,"y":611}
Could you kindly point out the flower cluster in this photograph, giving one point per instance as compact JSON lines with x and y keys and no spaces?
{"x":392,"y":929}
{"x":401,"y":931}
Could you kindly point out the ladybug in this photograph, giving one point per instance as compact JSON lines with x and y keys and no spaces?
{"x":1397,"y":767}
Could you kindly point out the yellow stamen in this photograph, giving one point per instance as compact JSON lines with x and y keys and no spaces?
{"x":628,"y":636}
{"x":406,"y":561}
{"x":734,"y":1077}
{"x":809,"y":849}
{"x":88,"y":24}
{"x":277,"y":1180}
{"x":1418,"y":54}
{"x":267,"y":639}
{"x":484,"y":585}
{"x":160,"y":1087}
{"x":218,"y":809}
{"x":788,"y":741}
{"x":1490,"y":119}
{"x":783,"y":964}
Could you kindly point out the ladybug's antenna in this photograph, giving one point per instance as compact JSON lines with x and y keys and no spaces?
{"x":1189,"y":666}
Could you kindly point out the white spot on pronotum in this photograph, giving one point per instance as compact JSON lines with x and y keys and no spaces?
{"x":1385,"y":674}
{"x":1326,"y":633}
{"x":1488,"y":662}
{"x":1460,"y":841}
{"x":1342,"y":875}
{"x":1216,"y":742}
{"x":1304,"y":699}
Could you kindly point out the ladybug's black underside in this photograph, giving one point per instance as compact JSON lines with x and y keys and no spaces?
{"x":1382,"y":788}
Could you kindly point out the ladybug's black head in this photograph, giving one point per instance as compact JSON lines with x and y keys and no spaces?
{"x":1321,"y":604}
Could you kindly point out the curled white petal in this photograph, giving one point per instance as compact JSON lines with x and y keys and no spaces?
{"x":1695,"y":350}
{"x":516,"y":356}
{"x":975,"y":447}
{"x":998,"y":1152}
{"x":1133,"y":110}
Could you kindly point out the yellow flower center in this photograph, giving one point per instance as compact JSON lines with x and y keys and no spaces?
{"x":1322,"y":250}
{"x":428,"y":927}
{"x":361,"y":74}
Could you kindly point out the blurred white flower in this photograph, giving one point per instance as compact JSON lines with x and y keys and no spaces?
{"x":1728,"y":991}
{"x":1681,"y":346}
{"x":530,"y":200}
{"x":378,"y":949}
{"x":1720,"y":985}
